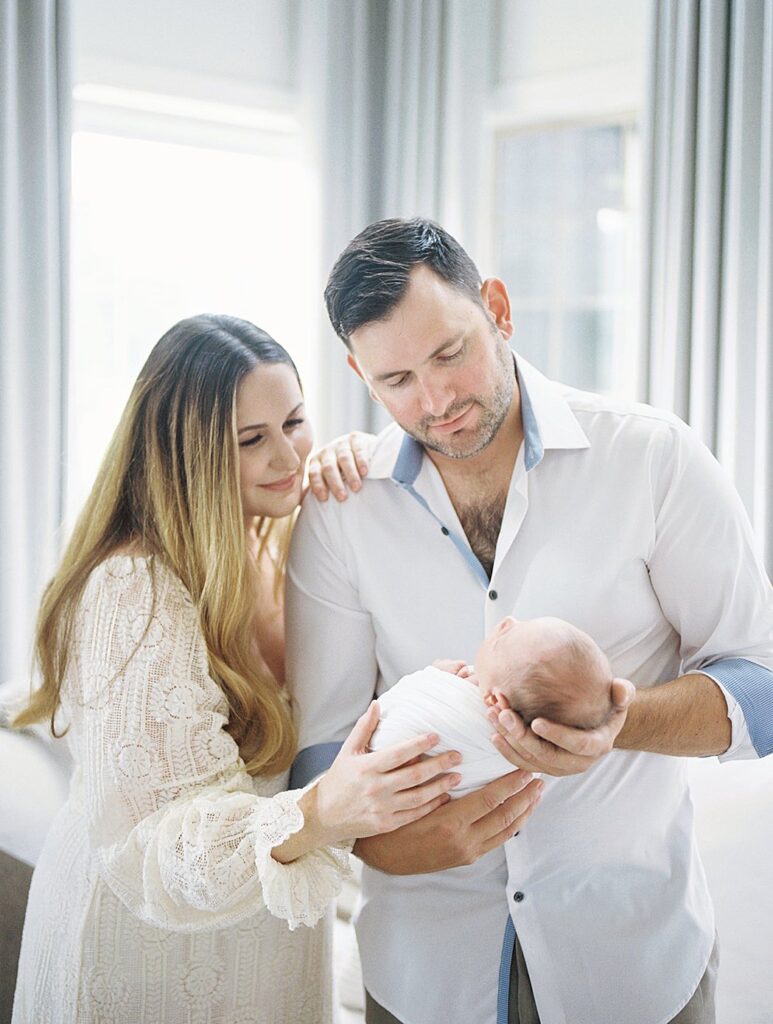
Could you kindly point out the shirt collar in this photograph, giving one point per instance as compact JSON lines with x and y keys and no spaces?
{"x":548,"y":423}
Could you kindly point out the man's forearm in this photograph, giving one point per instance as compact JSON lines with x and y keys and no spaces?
{"x":685,"y":718}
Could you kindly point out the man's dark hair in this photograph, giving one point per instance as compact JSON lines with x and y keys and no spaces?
{"x":371,"y":275}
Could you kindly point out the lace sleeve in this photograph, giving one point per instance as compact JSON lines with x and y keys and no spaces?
{"x":178,"y":830}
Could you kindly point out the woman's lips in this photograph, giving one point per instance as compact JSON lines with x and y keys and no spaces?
{"x":282,"y":485}
{"x":455,"y":424}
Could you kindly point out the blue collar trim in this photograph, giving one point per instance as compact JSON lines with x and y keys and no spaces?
{"x":411,"y":454}
{"x":533,"y":449}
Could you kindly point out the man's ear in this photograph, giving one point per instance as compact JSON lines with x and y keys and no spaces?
{"x":493,"y":293}
{"x":353,"y":363}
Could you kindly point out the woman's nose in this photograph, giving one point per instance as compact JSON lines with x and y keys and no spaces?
{"x":285,"y":455}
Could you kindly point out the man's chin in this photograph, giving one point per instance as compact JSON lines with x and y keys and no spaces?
{"x":464,"y":448}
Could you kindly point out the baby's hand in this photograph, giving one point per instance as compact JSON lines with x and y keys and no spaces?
{"x":454,"y":668}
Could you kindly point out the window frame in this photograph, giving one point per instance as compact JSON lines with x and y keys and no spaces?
{"x":585,"y":98}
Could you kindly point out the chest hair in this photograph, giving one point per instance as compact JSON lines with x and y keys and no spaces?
{"x":482,"y":521}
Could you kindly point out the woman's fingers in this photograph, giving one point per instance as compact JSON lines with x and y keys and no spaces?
{"x":416,"y":774}
{"x":317,"y":484}
{"x":331,"y":470}
{"x":340,"y":466}
{"x":358,"y":739}
{"x":340,"y":471}
{"x":419,"y":796}
{"x":325,"y":475}
{"x":397,"y":754}
{"x":361,"y":445}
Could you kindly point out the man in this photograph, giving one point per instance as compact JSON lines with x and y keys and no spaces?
{"x":499,"y":492}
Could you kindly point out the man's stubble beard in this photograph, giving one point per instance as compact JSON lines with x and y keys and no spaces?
{"x":493,"y":415}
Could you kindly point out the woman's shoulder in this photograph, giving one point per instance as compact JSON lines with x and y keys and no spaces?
{"x":139,"y":581}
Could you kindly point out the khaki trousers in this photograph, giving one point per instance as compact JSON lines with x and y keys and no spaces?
{"x":523,"y":1010}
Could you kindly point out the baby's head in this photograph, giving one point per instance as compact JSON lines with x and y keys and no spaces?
{"x":546,"y":668}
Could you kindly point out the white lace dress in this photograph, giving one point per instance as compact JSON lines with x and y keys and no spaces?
{"x":155,"y":898}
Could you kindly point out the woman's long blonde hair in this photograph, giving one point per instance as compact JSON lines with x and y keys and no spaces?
{"x":169,"y":488}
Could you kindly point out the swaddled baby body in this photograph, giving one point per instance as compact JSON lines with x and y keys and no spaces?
{"x":541,"y":668}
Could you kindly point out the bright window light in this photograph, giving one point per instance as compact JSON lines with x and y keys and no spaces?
{"x":161,"y":231}
{"x":567,"y":246}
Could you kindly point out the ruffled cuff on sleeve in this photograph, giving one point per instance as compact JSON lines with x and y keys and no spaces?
{"x":299,"y":892}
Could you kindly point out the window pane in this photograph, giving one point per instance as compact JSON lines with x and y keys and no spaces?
{"x":566,"y":246}
{"x":586,"y":352}
{"x":163,"y":231}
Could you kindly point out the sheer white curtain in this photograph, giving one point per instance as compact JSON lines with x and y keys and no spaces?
{"x":708,"y":272}
{"x":394,"y":93}
{"x":34,"y":200}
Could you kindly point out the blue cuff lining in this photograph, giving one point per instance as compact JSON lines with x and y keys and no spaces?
{"x":503,"y":991}
{"x":311,"y":762}
{"x":752,"y":687}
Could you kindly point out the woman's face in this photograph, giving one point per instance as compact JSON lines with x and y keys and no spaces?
{"x":274,"y":439}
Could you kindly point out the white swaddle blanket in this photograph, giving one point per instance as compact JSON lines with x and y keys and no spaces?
{"x":435,"y":701}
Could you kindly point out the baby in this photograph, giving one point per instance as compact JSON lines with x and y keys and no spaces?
{"x":541,"y":668}
{"x":545,"y":668}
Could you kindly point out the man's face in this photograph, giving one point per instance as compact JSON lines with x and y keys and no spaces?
{"x":440,"y":365}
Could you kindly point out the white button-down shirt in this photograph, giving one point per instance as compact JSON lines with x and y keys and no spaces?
{"x":620,"y":521}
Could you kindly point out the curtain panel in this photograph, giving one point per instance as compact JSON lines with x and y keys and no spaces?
{"x":395,"y":93}
{"x":707,"y":214}
{"x":34,"y":202}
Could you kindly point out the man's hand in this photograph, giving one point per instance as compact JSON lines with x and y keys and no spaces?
{"x":555,"y":749}
{"x":457,"y":833}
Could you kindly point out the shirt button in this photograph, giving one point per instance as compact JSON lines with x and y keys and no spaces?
{"x":493,"y":595}
{"x":518,"y":897}
{"x":444,"y":530}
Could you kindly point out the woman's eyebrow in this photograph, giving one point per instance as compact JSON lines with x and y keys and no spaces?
{"x":259,"y":426}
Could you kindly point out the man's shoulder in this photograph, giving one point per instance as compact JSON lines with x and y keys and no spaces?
{"x":384,"y":452}
{"x":607,"y":417}
{"x":337,"y":517}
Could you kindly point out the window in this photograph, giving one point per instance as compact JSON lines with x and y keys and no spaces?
{"x":566,"y":244}
{"x":166,"y":229}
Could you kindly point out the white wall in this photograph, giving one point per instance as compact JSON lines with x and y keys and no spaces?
{"x":567,"y":58}
{"x":545,"y":37}
{"x":248,"y":48}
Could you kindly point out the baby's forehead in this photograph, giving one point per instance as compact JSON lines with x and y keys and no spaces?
{"x":549,"y":631}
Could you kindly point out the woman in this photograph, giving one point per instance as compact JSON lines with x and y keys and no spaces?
{"x":168,"y":880}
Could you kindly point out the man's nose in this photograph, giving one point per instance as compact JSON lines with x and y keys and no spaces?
{"x":434,"y":397}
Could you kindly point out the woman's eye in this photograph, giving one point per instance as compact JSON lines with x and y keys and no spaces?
{"x":251,"y":441}
{"x":292,"y":424}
